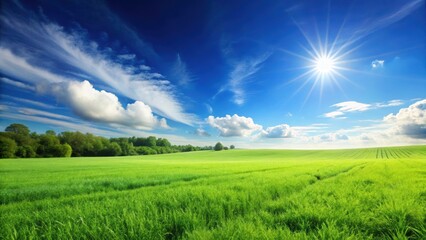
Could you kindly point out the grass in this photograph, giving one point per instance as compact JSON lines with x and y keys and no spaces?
{"x":239,"y":194}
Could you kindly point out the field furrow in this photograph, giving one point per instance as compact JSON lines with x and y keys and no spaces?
{"x":344,"y":194}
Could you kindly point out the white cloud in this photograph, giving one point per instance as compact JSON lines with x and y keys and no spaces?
{"x":28,"y":101}
{"x":17,"y":84}
{"x":280,"y":131}
{"x":240,"y":75}
{"x":333,"y":114}
{"x":410,"y":121}
{"x":391,"y":103}
{"x":209,"y":108}
{"x":377,"y":63}
{"x":353,"y":106}
{"x":331,"y":137}
{"x":19,"y":68}
{"x":383,"y":21}
{"x":67,"y":124}
{"x":145,"y":68}
{"x":102,"y":106}
{"x":201,"y":132}
{"x":234,"y":126}
{"x":180,"y":72}
{"x":35,"y":112}
{"x":349,"y":106}
{"x":72,"y":50}
{"x":129,"y":56}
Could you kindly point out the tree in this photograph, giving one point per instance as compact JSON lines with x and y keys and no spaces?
{"x":25,"y":151}
{"x":7,"y":147}
{"x":17,"y":128}
{"x":232,"y":147}
{"x":162,"y":142}
{"x":151,"y":141}
{"x":225,"y":148}
{"x":218,"y":146}
{"x":66,"y":150}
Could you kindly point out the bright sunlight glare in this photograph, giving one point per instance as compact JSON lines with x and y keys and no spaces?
{"x":324,"y":64}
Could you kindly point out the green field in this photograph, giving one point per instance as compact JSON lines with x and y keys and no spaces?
{"x":235,"y":194}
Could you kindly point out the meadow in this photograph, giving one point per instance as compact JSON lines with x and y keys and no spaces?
{"x":376,"y":193}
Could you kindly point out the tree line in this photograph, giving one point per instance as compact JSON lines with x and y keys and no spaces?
{"x":18,"y":141}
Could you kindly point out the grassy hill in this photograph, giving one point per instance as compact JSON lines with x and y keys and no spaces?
{"x":377,"y":193}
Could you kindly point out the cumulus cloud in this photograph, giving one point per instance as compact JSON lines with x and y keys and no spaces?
{"x":280,"y":131}
{"x":103,"y":106}
{"x":377,"y":63}
{"x":72,"y":50}
{"x":410,"y":121}
{"x":201,"y":132}
{"x":234,"y":126}
{"x":331,"y":137}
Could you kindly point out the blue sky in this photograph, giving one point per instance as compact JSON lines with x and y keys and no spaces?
{"x":276,"y":74}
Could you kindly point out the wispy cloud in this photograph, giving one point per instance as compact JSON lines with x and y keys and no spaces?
{"x":64,"y":122}
{"x":76,"y":52}
{"x":180,"y":72}
{"x":201,"y":132}
{"x":385,"y":20}
{"x":240,"y":75}
{"x":391,"y":103}
{"x":353,"y":106}
{"x":17,"y":84}
{"x":27,"y":101}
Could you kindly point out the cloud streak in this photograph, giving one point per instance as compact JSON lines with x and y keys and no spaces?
{"x":73,"y":51}
{"x":353,"y":106}
{"x":240,"y":75}
{"x":181,"y":72}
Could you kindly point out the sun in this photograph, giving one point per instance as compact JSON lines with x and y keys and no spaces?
{"x":324,"y":65}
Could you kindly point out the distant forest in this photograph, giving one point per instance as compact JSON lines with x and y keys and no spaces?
{"x":18,"y":141}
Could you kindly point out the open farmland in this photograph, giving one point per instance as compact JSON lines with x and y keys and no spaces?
{"x":377,"y":193}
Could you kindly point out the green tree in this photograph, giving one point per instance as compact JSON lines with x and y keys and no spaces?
{"x":232,"y":147}
{"x":17,"y":128}
{"x":25,"y":152}
{"x":151,"y":141}
{"x":162,"y":142}
{"x":66,"y":150}
{"x":218,"y":146}
{"x":225,"y":148}
{"x":126,"y":146}
{"x":8,"y":147}
{"x":112,"y":149}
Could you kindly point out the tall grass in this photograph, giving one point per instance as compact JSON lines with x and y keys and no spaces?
{"x":240,"y":194}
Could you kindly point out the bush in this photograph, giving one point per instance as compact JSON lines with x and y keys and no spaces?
{"x":218,"y":146}
{"x":7,"y":147}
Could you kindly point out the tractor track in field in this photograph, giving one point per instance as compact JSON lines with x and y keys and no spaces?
{"x":135,"y":186}
{"x":185,"y":180}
